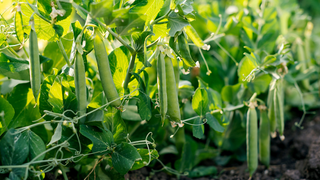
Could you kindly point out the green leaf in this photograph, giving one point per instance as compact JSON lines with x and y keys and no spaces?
{"x":7,"y":112}
{"x":52,"y":51}
{"x":200,"y":101}
{"x":235,"y":134}
{"x":119,"y":62}
{"x":146,"y":156}
{"x":132,"y":24}
{"x":18,"y":24}
{"x":139,"y":39}
{"x":57,"y":134}
{"x":197,"y":129}
{"x":101,"y":9}
{"x":131,"y":113}
{"x":203,"y":171}
{"x":247,"y":41}
{"x":245,"y":68}
{"x":18,"y":173}
{"x":260,"y":84}
{"x":13,"y":67}
{"x":229,"y":93}
{"x":56,"y":98}
{"x":22,"y":100}
{"x":117,"y":16}
{"x":160,"y":30}
{"x":100,"y":138}
{"x":176,"y":23}
{"x":114,"y":123}
{"x":253,"y":58}
{"x":186,"y":162}
{"x":36,"y":146}
{"x":14,"y":149}
{"x":144,"y":106}
{"x":214,"y":123}
{"x":124,"y":156}
{"x":147,"y":7}
{"x":98,"y":98}
{"x":43,"y":27}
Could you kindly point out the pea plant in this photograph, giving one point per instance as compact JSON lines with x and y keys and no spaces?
{"x":104,"y":87}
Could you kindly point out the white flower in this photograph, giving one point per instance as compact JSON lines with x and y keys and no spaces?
{"x":206,"y":47}
{"x":56,"y":12}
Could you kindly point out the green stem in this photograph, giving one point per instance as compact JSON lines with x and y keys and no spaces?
{"x":161,"y":18}
{"x":130,"y":68}
{"x":13,"y":52}
{"x":64,"y":54}
{"x":64,"y":174}
{"x":132,"y":51}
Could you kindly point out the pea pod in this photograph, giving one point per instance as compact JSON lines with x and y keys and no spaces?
{"x":162,"y":86}
{"x":184,"y":51}
{"x":252,"y":139}
{"x":278,"y":108}
{"x":271,"y":107}
{"x":193,"y":35}
{"x":172,"y":92}
{"x":80,"y":85}
{"x":303,"y":62}
{"x":264,"y":137}
{"x":108,"y":85}
{"x":35,"y":73}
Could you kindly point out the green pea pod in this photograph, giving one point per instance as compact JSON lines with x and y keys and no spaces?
{"x":172,"y":92}
{"x":80,"y":85}
{"x":278,"y":108}
{"x":104,"y":70}
{"x":193,"y":35}
{"x":162,"y":86}
{"x":184,"y":51}
{"x":35,"y":73}
{"x":252,"y":139}
{"x":271,"y":107}
{"x":264,"y":137}
{"x":303,"y":62}
{"x":173,"y":46}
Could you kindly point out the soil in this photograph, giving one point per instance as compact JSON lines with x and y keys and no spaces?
{"x":296,"y":157}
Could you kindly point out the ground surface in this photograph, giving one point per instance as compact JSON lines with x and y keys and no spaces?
{"x":295,"y":158}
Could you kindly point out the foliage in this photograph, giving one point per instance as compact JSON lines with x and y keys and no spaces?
{"x":124,"y":83}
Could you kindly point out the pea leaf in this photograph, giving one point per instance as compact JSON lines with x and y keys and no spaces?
{"x":14,"y":149}
{"x":203,"y":171}
{"x":101,"y":138}
{"x":131,"y":113}
{"x":176,"y":23}
{"x":213,"y":123}
{"x":36,"y":146}
{"x":245,"y":68}
{"x":260,"y":84}
{"x":119,"y":62}
{"x":198,"y":130}
{"x":229,"y":92}
{"x":8,"y":113}
{"x":13,"y":67}
{"x":17,"y":173}
{"x":101,"y":9}
{"x":147,"y":7}
{"x":52,"y":51}
{"x":146,"y":156}
{"x":144,"y":106}
{"x":18,"y":24}
{"x":57,"y":134}
{"x":124,"y":156}
{"x":132,"y":24}
{"x":200,"y":101}
{"x":114,"y":123}
{"x":22,"y":100}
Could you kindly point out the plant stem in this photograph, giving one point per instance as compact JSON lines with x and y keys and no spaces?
{"x":130,"y":68}
{"x":162,"y":17}
{"x":64,"y":174}
{"x":64,"y":54}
